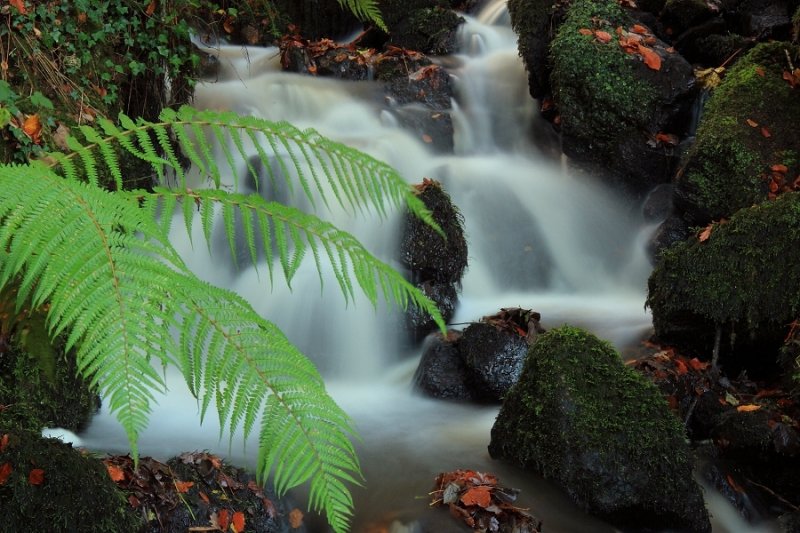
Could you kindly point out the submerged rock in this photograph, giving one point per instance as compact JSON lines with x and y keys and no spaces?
{"x":580,"y":417}
{"x":442,"y":372}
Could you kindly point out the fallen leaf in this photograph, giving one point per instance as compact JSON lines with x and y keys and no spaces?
{"x":204,"y":497}
{"x":32,"y":127}
{"x":792,"y":77}
{"x":585,"y":31}
{"x":427,"y":138}
{"x":783,"y":169}
{"x":731,"y":399}
{"x":748,"y":407}
{"x":697,"y":365}
{"x":151,"y":8}
{"x":681,"y":367}
{"x":36,"y":476}
{"x":641,"y":30}
{"x":238,"y":521}
{"x":752,"y":123}
{"x":602,"y":36}
{"x":115,"y":472}
{"x":479,"y":496}
{"x":295,"y":518}
{"x":706,"y":233}
{"x":667,"y":138}
{"x":223,"y":520}
{"x":5,"y":471}
{"x":3,"y":442}
{"x":183,"y":486}
{"x":651,"y":58}
{"x":20,"y":5}
{"x":765,"y":132}
{"x":227,"y":25}
{"x":760,"y":71}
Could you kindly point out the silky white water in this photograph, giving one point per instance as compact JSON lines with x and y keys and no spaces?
{"x":539,"y":237}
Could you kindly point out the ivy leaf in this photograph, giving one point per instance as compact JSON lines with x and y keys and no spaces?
{"x":40,"y":100}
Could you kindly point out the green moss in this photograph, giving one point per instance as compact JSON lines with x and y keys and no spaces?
{"x":746,"y":273}
{"x":579,"y":416}
{"x":75,"y":493}
{"x":598,"y":95}
{"x":726,"y":168}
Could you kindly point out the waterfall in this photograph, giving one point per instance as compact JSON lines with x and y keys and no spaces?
{"x":539,"y":237}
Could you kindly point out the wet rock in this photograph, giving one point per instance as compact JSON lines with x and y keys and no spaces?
{"x":598,"y":429}
{"x":442,"y":372}
{"x":680,"y":15}
{"x":317,"y":19}
{"x":445,"y":295}
{"x":657,"y":205}
{"x":748,"y":125}
{"x":427,"y":26}
{"x":494,"y":358}
{"x":435,"y":264}
{"x":673,"y":230}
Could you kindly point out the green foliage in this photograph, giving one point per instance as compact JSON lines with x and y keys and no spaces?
{"x":365,"y":10}
{"x":118,"y":289}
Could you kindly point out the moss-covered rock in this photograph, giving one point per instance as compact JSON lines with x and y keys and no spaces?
{"x":427,"y":26}
{"x":748,"y":125}
{"x":55,"y":488}
{"x":745,"y":275}
{"x":601,"y":431}
{"x":612,"y":105}
{"x":534,"y":22}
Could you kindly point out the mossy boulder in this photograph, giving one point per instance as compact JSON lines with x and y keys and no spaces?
{"x":427,"y":26}
{"x":601,"y":431}
{"x":534,"y":21}
{"x":744,"y":276}
{"x":749,"y":124}
{"x":53,"y":487}
{"x":435,"y":263}
{"x":612,"y":105}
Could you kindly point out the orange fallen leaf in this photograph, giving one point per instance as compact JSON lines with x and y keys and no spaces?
{"x":697,"y":365}
{"x":760,"y":71}
{"x":752,"y":123}
{"x":204,"y":497}
{"x":681,"y":367}
{"x":585,"y":31}
{"x":670,"y":50}
{"x":651,"y":58}
{"x":479,"y":496}
{"x":706,"y":233}
{"x":227,"y":25}
{"x":748,"y":407}
{"x":667,"y":138}
{"x":783,"y":169}
{"x":151,"y":8}
{"x":295,"y":518}
{"x":427,"y":138}
{"x":223,"y":520}
{"x":641,"y":30}
{"x":3,"y":442}
{"x":602,"y":36}
{"x":238,"y":521}
{"x":5,"y":471}
{"x":115,"y":472}
{"x":32,"y":127}
{"x":792,"y":77}
{"x":20,"y":5}
{"x":183,"y":486}
{"x":765,"y":132}
{"x":36,"y":476}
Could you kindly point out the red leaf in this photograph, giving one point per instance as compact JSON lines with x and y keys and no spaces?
{"x":765,"y":132}
{"x":651,"y":58}
{"x":5,"y":471}
{"x":602,"y":36}
{"x":681,"y":367}
{"x":223,"y":519}
{"x":479,"y":496}
{"x":585,"y":31}
{"x":238,"y":521}
{"x":783,"y":169}
{"x":3,"y":442}
{"x":20,"y":5}
{"x":667,"y":138}
{"x":115,"y":472}
{"x":151,"y":8}
{"x":697,"y":365}
{"x":706,"y":233}
{"x":36,"y":476}
{"x":747,"y":408}
{"x":183,"y":486}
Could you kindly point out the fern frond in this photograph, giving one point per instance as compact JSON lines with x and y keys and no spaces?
{"x":286,"y":225}
{"x":357,"y":180}
{"x":365,"y":10}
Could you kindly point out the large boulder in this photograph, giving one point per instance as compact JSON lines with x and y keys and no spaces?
{"x":742,"y":276}
{"x":622,"y":95}
{"x":598,"y":429}
{"x":427,"y":26}
{"x":748,"y":127}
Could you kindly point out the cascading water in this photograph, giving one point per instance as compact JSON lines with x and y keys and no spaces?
{"x":539,"y":238}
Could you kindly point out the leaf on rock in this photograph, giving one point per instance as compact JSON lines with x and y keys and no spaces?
{"x":651,"y":58}
{"x":602,"y":36}
{"x":752,"y":123}
{"x":783,"y":169}
{"x":748,"y":407}
{"x":183,"y":486}
{"x":760,"y":71}
{"x":667,"y":138}
{"x":238,"y":521}
{"x":477,"y":496}
{"x":36,"y":476}
{"x":115,"y":473}
{"x":296,"y":518}
{"x":5,"y":471}
{"x":641,"y":30}
{"x":3,"y":442}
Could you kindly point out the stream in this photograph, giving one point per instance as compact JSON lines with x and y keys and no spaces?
{"x":540,"y":237}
